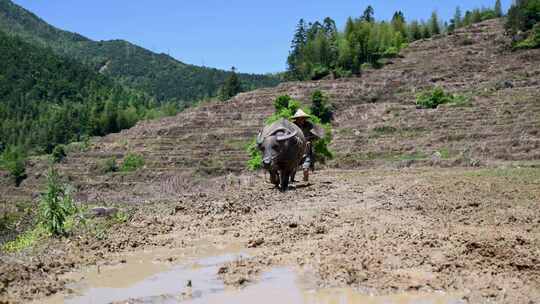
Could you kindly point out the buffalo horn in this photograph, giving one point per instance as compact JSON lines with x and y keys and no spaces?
{"x":286,"y":136}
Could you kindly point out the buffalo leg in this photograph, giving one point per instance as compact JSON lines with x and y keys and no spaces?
{"x":274,"y":178}
{"x":284,"y":181}
{"x":293,"y":176}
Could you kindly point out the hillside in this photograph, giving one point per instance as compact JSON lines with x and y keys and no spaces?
{"x":49,"y":100}
{"x":159,"y":75}
{"x":377,"y":122}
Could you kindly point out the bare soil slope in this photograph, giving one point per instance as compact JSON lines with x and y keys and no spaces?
{"x":377,"y":122}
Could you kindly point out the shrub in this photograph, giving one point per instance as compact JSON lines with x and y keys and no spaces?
{"x":319,"y":72}
{"x":431,"y":99}
{"x":391,"y":52}
{"x":132,"y":162}
{"x":341,"y":73}
{"x":384,"y":129}
{"x":56,"y":205}
{"x":321,"y":108}
{"x":13,"y":159}
{"x":532,"y":41}
{"x":108,"y":165}
{"x":58,"y":153}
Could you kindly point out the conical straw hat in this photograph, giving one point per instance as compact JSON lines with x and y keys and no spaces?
{"x":300,"y":114}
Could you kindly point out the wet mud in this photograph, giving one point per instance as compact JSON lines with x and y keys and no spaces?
{"x":377,"y":236}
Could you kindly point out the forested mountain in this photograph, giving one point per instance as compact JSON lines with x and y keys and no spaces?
{"x":159,"y":75}
{"x":48,"y":100}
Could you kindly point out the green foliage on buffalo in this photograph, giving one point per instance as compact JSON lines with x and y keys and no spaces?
{"x":285,"y":108}
{"x":255,"y":157}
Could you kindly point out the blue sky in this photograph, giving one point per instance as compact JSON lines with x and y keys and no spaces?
{"x":254,"y":36}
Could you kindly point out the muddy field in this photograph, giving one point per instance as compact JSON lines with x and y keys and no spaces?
{"x":468,"y":232}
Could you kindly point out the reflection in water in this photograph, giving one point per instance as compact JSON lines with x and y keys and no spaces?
{"x":280,"y":285}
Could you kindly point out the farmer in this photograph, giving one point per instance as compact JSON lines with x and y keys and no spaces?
{"x":300,"y":118}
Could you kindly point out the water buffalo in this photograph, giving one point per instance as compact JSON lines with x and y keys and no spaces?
{"x":283,"y":146}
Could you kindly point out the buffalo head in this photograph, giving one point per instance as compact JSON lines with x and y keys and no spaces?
{"x":273,"y":146}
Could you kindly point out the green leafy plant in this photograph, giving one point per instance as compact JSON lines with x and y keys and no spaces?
{"x":391,"y":52}
{"x":132,"y":162}
{"x":58,"y":153}
{"x":25,"y":239}
{"x":431,"y":99}
{"x":532,"y":41}
{"x":56,"y":205}
{"x":319,"y":72}
{"x":13,"y":159}
{"x":321,"y":107}
{"x":108,"y":165}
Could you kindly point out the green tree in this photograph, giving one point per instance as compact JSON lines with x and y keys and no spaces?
{"x":498,"y":9}
{"x":58,"y":153}
{"x":295,"y":58}
{"x":458,"y":20}
{"x":13,"y":159}
{"x":399,"y":24}
{"x":321,"y":108}
{"x":476,"y":16}
{"x":368,"y":14}
{"x":523,"y":15}
{"x":426,"y":32}
{"x":415,"y":32}
{"x":231,"y":87}
{"x":434,"y":25}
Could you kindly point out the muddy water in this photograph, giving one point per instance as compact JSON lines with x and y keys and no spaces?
{"x":146,"y":277}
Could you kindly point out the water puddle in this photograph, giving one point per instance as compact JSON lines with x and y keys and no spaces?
{"x":141,"y":279}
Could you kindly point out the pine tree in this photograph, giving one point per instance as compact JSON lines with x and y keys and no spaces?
{"x":331,"y":31}
{"x":399,"y":23}
{"x":313,"y":30}
{"x":415,"y":32}
{"x":231,"y":87}
{"x":426,"y":33}
{"x":498,"y":9}
{"x":321,"y":108}
{"x":329,"y":27}
{"x":458,"y":19}
{"x":368,"y":14}
{"x":294,"y":61}
{"x":434,"y":27}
